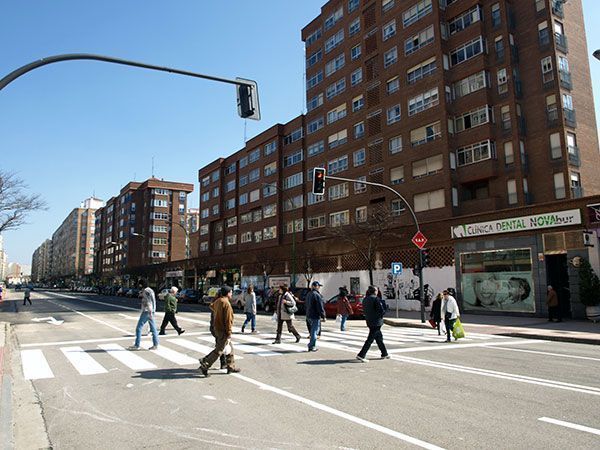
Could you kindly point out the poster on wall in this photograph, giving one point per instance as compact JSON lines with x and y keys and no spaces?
{"x":498,"y":281}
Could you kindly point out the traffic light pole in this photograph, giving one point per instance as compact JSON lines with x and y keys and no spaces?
{"x":414,"y":217}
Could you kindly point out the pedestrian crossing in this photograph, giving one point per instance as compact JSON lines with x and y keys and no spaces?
{"x":102,"y":357}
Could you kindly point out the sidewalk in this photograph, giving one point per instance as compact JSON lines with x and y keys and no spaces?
{"x":6,"y":436}
{"x":578,"y":331}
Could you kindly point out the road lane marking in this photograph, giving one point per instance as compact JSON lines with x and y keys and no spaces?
{"x":92,"y":318}
{"x":83,"y":362}
{"x":173,"y":356}
{"x":561,"y":355}
{"x":244,"y":348}
{"x":35,"y":366}
{"x":456,"y":346}
{"x":338,"y":413}
{"x":93,"y":341}
{"x":570,"y":425}
{"x":127,"y":357}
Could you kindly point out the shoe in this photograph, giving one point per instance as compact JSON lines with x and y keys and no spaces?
{"x":162,"y":333}
{"x":277,"y":342}
{"x":361,"y":359}
{"x":254,"y":332}
{"x":313,"y":349}
{"x":242,"y":329}
{"x":385,"y":356}
{"x":133,"y":348}
{"x":203,"y":369}
{"x":180,"y":332}
{"x":448,"y":340}
{"x":223,"y":366}
{"x":233,"y":370}
{"x":297,"y":339}
{"x":154,"y":347}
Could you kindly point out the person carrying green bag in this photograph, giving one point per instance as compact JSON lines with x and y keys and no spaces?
{"x":458,"y":331}
{"x":450,"y":313}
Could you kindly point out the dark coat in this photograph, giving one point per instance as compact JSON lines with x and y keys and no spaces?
{"x":315,"y":309}
{"x":436,"y":310}
{"x":373,"y":311}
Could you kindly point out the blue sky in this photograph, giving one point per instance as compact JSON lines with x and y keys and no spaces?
{"x":73,"y":129}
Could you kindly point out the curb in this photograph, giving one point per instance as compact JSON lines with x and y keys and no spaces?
{"x":395,"y":323}
{"x":6,"y":413}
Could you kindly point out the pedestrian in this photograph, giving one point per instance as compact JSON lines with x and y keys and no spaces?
{"x":0,"y":292}
{"x":222,"y":329}
{"x":27,"y":296}
{"x":436,"y":312}
{"x":285,"y":309}
{"x":147,"y":314}
{"x":250,"y":308}
{"x":315,"y":313}
{"x":553,"y":308}
{"x":344,"y":308}
{"x":374,"y":311}
{"x":449,"y":311}
{"x":170,"y":311}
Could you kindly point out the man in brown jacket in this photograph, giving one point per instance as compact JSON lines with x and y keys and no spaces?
{"x":223,"y":326}
{"x":553,"y":306}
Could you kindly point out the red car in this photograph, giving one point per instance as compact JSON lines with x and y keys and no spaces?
{"x":355,"y":301}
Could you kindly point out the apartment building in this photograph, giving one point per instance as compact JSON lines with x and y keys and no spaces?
{"x":41,"y":262}
{"x":144,"y":224}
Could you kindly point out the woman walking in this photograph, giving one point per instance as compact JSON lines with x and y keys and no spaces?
{"x":250,"y":308}
{"x":344,"y":309}
{"x":285,"y":308}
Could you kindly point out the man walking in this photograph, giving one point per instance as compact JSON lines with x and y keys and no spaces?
{"x":223,"y":328}
{"x":27,"y":296}
{"x":449,"y":312}
{"x":315,"y":312}
{"x":147,"y":313}
{"x":170,"y":311}
{"x":374,"y":311}
{"x":553,"y":308}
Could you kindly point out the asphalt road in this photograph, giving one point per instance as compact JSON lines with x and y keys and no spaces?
{"x":481,"y":392}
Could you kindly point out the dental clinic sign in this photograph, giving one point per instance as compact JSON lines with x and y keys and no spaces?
{"x":536,"y":222}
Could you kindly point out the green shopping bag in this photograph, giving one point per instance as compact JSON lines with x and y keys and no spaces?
{"x":458,"y":331}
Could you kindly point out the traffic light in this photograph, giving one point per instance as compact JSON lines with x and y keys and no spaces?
{"x":424,"y":257}
{"x":247,"y":99}
{"x":318,"y":187}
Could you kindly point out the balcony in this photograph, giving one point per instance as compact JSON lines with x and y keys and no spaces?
{"x":552,"y":116}
{"x":576,"y":192}
{"x":477,"y":171}
{"x":557,"y":9}
{"x":514,"y":54}
{"x":544,"y":38}
{"x":529,"y":198}
{"x":570,"y":117}
{"x":479,"y":205}
{"x":518,"y":89}
{"x":525,"y":163}
{"x":573,"y":153}
{"x":561,"y":42}
{"x":565,"y":79}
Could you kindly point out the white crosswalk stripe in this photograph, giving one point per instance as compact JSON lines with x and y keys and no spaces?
{"x":127,"y":357}
{"x":173,"y":356}
{"x":35,"y":366}
{"x":244,"y":348}
{"x":202,"y":349}
{"x":83,"y":362}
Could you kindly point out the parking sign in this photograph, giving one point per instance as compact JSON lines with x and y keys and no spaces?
{"x":396,"y":268}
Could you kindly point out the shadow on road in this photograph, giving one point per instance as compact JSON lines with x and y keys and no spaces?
{"x":169,"y":374}
{"x":327,"y":362}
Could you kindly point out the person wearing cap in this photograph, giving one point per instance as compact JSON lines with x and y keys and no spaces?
{"x":170,"y":311}
{"x":449,"y":311}
{"x":315,"y":313}
{"x":374,"y":311}
{"x":552,"y":302}
{"x":222,"y":326}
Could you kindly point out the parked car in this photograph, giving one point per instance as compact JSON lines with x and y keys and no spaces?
{"x":133,"y":293}
{"x":210,"y":295}
{"x":355,"y":301}
{"x":121,"y":291}
{"x":162,"y":294}
{"x":237,"y":299}
{"x":188,"y":296}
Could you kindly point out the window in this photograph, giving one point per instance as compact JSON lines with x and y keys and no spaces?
{"x":511,"y":188}
{"x":390,"y":57}
{"x":204,"y":246}
{"x":205,"y":196}
{"x":572,"y":146}
{"x":393,"y":114}
{"x":427,"y":166}
{"x":246,"y":218}
{"x":254,"y":155}
{"x":243,"y":199}
{"x":555,"y":146}
{"x":218,"y":227}
{"x":205,"y":181}
{"x":509,"y":155}
{"x":257,"y":215}
{"x":215,"y":176}
{"x":314,"y":58}
{"x":496,"y":18}
{"x":336,"y":114}
{"x":157,"y":254}
{"x":231,"y":222}
{"x":270,"y":232}
{"x":246,"y":237}
{"x":429,"y":200}
{"x":315,"y":125}
{"x":294,"y":225}
{"x":230,"y":203}
{"x":254,"y":195}
{"x":215,"y":210}
{"x":502,"y":81}
{"x":311,"y":198}
{"x":358,"y":103}
{"x":293,"y":180}
{"x":156,"y":192}
{"x":160,"y":216}
{"x":416,"y":12}
{"x":360,"y":214}
{"x":335,"y":64}
{"x":425,"y":134}
{"x":337,"y":165}
{"x":397,"y":207}
{"x":313,"y":37}
{"x":231,"y":239}
{"x":335,"y":17}
{"x":204,"y":213}
{"x":472,"y":119}
{"x":203,"y":229}
{"x":315,"y":79}
{"x":423,"y":101}
{"x":289,"y":204}
{"x":269,"y":189}
{"x":576,"y":191}
{"x":230,"y":169}
{"x":316,"y":148}
{"x":499,"y":48}
{"x":464,"y":20}
{"x":356,"y":76}
{"x":567,"y":102}
{"x":359,"y":188}
{"x":559,"y":186}
{"x":258,"y":236}
{"x":419,"y":40}
{"x":337,"y":139}
{"x":505,"y":118}
{"x":338,"y":191}
{"x":270,"y":169}
{"x":353,"y":5}
{"x":243,"y":162}
{"x":254,"y":175}
{"x":392,"y":85}
{"x":338,"y":219}
{"x":467,"y":51}
{"x":474,"y":153}
{"x":159,"y":229}
{"x":354,"y":27}
{"x":294,"y":136}
{"x":386,"y":5}
{"x":421,"y":70}
{"x":270,"y":148}
{"x":334,"y":41}
{"x":316,"y":222}
{"x":160,"y":203}
{"x":470,"y":84}
{"x":270,"y":210}
{"x":389,"y":30}
{"x":355,"y":52}
{"x":315,"y":102}
{"x":395,"y":144}
{"x":230,"y":186}
{"x":397,"y":175}
{"x":335,"y":88}
{"x":359,"y":130}
{"x":360,"y":157}
{"x":292,"y":159}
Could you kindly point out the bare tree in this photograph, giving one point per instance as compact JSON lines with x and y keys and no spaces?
{"x":15,"y":203}
{"x":367,"y":237}
{"x":265,"y":263}
{"x":307,"y":260}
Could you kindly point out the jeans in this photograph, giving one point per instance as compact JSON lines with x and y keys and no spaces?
{"x":250,"y":318}
{"x":308,"y":327}
{"x":315,"y":328}
{"x":343,"y":324}
{"x":374,"y":335}
{"x":146,"y":317}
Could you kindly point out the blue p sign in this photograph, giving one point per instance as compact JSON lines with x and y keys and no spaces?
{"x":396,"y":268}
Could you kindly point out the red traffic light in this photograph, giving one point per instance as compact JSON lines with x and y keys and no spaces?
{"x":318,"y":187}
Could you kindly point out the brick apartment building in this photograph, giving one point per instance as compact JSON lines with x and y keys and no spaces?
{"x":466,"y":107}
{"x":41,"y":262}
{"x":144,"y":224}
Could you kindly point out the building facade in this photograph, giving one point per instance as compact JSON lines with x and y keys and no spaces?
{"x":41,"y":262}
{"x":144,"y":224}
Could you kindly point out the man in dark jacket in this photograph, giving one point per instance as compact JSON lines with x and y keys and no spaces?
{"x":373,"y":311}
{"x":170,"y":311}
{"x":315,"y":312}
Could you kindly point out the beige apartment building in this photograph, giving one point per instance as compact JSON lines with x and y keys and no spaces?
{"x":41,"y":262}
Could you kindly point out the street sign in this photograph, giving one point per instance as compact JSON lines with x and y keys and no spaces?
{"x":396,"y":268}
{"x":419,"y":239}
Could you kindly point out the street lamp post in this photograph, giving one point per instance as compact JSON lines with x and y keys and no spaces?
{"x":291,"y":200}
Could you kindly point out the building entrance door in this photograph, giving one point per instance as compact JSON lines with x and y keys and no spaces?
{"x":557,"y":272}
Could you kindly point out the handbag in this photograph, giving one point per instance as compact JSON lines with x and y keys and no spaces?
{"x":432,"y":323}
{"x":338,"y":318}
{"x":458,"y":331}
{"x":290,"y":309}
